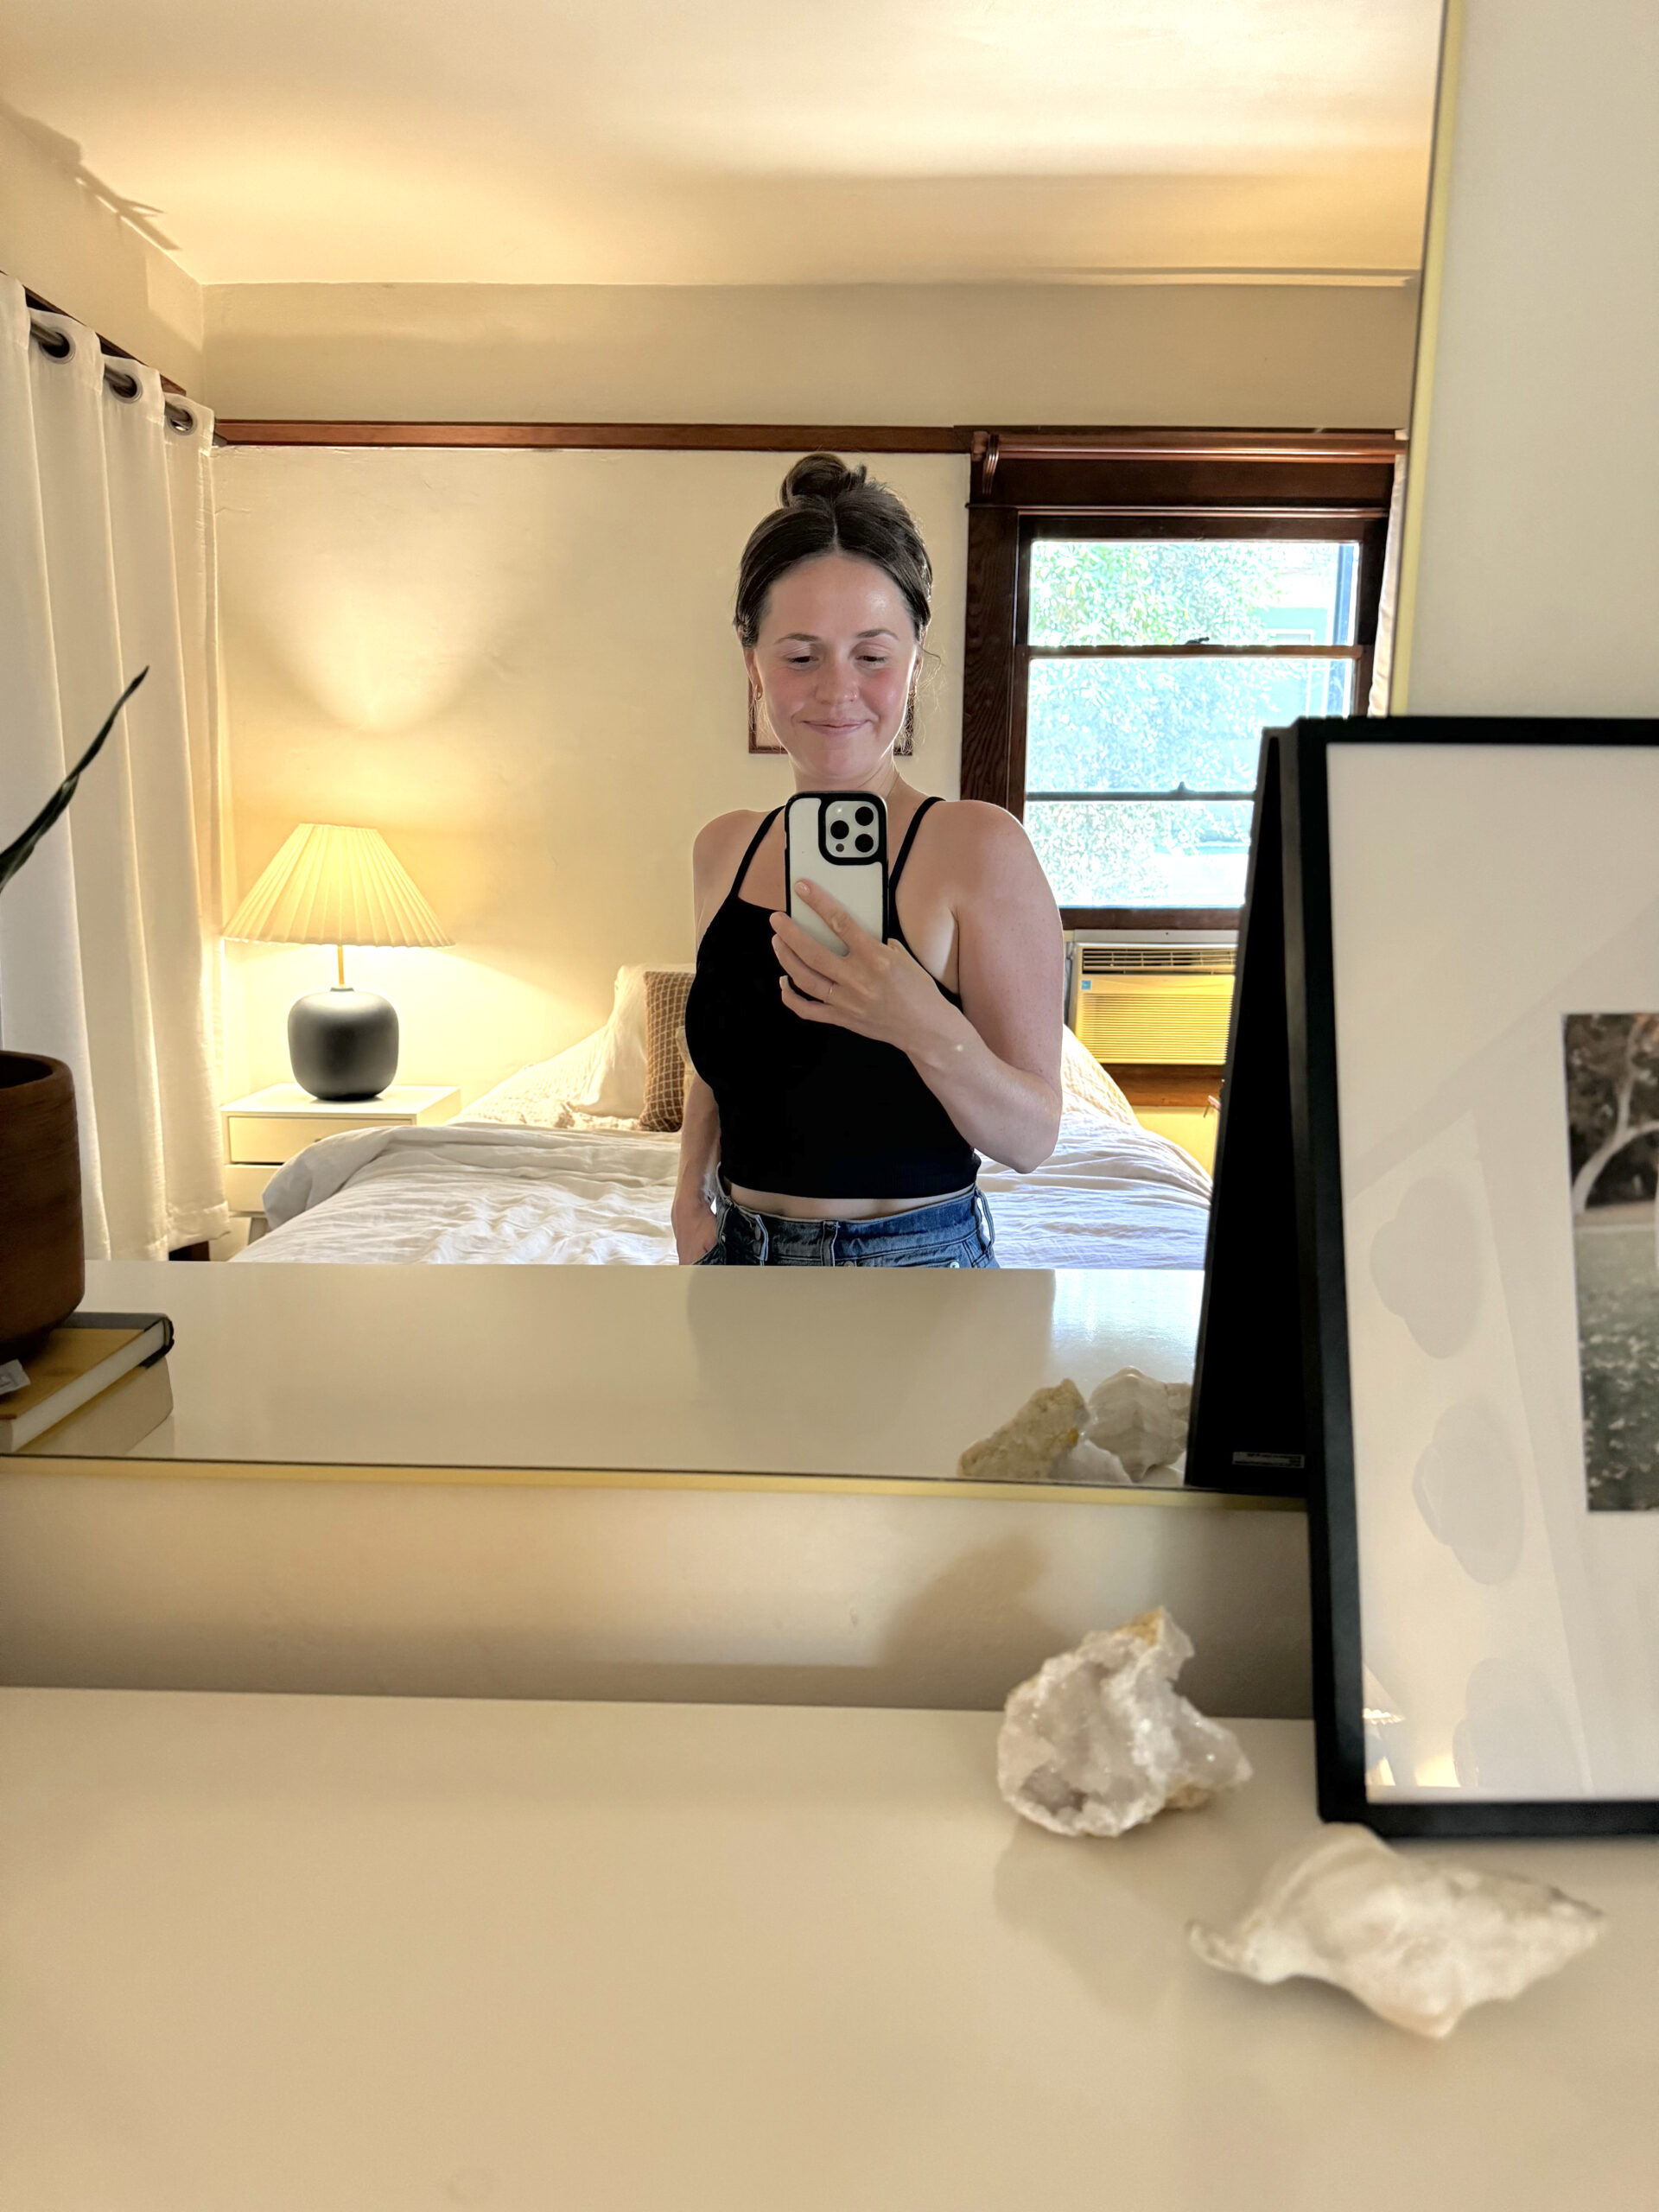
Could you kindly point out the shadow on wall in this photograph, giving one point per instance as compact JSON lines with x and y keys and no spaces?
{"x":63,"y":154}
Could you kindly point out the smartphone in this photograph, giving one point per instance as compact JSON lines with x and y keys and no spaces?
{"x":839,"y":841}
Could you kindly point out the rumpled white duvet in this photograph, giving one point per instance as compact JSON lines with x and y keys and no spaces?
{"x":1110,"y":1196}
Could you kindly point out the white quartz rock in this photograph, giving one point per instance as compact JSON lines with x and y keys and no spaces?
{"x":1420,"y":1940}
{"x":1099,"y":1740}
{"x":1141,"y":1421}
{"x":1087,"y":1462}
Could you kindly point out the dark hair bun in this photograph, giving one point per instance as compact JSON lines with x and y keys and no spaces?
{"x":826,"y":507}
{"x":820,"y":476}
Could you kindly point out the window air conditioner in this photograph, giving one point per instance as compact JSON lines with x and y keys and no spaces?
{"x":1145,"y":997}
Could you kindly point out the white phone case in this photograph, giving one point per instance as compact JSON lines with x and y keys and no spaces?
{"x":839,"y":841}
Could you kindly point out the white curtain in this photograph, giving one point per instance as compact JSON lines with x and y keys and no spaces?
{"x":108,"y":938}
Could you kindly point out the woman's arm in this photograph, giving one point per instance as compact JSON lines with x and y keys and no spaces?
{"x":693,"y":1213}
{"x":714,"y":856}
{"x":994,"y":1066}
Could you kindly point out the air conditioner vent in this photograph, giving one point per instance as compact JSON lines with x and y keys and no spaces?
{"x":1155,"y":959}
{"x":1141,"y":997}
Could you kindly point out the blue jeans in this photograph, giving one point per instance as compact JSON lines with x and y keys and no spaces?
{"x":955,"y":1233}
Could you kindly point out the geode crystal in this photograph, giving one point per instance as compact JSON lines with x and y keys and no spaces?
{"x":1099,"y":1740}
{"x":1418,"y":1940}
{"x":1140,"y":1422}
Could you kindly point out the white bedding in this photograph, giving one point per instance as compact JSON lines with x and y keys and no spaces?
{"x":1110,"y":1196}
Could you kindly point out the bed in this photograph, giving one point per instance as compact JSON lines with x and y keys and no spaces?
{"x":546,"y":1170}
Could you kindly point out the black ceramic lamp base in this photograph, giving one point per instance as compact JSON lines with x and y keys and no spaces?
{"x":342,"y":1043}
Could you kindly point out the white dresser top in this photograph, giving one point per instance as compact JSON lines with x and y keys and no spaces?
{"x":269,"y":1953}
{"x":875,"y":1372}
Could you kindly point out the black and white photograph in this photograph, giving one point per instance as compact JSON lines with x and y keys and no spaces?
{"x":1611,"y":1068}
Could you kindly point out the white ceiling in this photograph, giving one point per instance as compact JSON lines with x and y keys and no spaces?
{"x":741,"y":141}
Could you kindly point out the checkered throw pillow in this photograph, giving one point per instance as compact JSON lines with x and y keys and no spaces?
{"x":666,"y":991}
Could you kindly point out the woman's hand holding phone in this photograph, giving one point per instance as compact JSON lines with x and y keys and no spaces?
{"x":873,"y":989}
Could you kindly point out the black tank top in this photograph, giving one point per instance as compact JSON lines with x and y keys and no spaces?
{"x":807,"y":1110}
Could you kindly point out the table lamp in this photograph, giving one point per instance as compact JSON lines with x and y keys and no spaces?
{"x":330,"y":885}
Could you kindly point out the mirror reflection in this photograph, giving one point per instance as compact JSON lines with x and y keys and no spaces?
{"x":611,"y":741}
{"x":518,"y":955}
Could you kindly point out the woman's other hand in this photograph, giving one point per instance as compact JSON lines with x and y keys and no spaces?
{"x":877,"y":990}
{"x":693,"y":1219}
{"x":692,"y":1214}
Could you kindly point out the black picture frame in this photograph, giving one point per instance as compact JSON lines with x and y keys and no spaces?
{"x":1247,"y":1433}
{"x":1288,"y":1005}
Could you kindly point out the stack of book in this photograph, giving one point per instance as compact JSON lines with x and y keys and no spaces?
{"x":96,"y":1388}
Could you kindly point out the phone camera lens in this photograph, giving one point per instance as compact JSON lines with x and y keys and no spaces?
{"x":838,"y":829}
{"x":864,"y":844}
{"x":866,"y":815}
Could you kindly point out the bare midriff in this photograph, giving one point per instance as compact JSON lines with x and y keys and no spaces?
{"x":793,"y":1208}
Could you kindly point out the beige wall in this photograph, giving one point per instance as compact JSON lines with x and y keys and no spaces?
{"x":1537,"y":564}
{"x":61,"y":240}
{"x":520,"y":667}
{"x":1270,"y":355}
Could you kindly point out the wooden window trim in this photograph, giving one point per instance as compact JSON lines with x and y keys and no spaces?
{"x":987,"y":448}
{"x":628,"y":437}
{"x":1149,"y":483}
{"x":1150,"y":918}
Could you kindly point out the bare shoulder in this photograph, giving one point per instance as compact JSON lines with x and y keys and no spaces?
{"x":985,"y":843}
{"x":717,"y":844}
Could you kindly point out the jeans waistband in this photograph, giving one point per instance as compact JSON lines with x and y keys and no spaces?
{"x":962,"y":1210}
{"x":965,"y":1204}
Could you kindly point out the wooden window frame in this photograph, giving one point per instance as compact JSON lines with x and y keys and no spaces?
{"x":1193,"y":484}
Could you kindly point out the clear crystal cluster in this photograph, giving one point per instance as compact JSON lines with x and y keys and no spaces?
{"x":1099,"y":1740}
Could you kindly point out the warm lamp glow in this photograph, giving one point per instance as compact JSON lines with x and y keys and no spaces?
{"x":329,"y":886}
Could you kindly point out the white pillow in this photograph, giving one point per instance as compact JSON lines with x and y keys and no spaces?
{"x":618,"y":1085}
{"x":543,"y":1096}
{"x":1085,"y":1083}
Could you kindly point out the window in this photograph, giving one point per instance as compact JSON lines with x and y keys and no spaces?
{"x":1136,"y":619}
{"x":1151,"y":669}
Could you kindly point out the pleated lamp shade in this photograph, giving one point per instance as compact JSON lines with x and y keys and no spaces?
{"x":329,"y":886}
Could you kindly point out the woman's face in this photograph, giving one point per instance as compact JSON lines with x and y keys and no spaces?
{"x":834,"y":663}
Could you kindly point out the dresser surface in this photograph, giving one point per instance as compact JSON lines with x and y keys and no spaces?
{"x":268,"y":1952}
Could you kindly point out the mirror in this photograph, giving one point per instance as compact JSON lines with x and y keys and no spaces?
{"x":515,"y":660}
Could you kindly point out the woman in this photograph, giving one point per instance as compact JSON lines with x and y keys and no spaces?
{"x":839,"y":1102}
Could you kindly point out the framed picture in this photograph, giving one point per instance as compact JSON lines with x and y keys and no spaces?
{"x":760,"y":735}
{"x":1472,"y":970}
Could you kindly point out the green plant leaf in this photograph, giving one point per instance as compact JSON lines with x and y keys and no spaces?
{"x":20,"y":849}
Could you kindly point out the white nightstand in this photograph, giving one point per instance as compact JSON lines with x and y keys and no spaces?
{"x":269,"y":1126}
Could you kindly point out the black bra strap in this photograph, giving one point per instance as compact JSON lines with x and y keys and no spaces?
{"x":910,"y":839}
{"x":754,"y":845}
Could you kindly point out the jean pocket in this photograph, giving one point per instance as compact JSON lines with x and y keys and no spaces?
{"x":925,"y":1252}
{"x":714,"y":1256}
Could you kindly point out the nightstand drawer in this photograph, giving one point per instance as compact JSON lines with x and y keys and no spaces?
{"x":272,"y":1139}
{"x":244,"y":1188}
